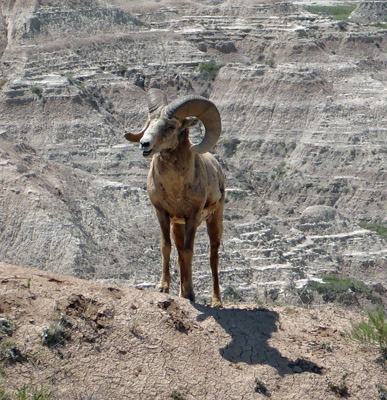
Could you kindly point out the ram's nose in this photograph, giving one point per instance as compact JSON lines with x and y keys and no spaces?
{"x":144,"y":145}
{"x":146,"y":148}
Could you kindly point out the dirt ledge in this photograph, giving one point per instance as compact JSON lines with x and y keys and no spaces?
{"x":126,"y":343}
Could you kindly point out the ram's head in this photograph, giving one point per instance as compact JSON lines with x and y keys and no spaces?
{"x":166,"y":121}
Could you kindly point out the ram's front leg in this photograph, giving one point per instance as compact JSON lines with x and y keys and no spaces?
{"x":185,"y":260}
{"x":165,"y":280}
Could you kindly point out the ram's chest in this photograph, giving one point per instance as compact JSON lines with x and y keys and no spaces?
{"x":176,"y":201}
{"x":176,"y":195}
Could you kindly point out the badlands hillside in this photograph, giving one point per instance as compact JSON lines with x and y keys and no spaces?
{"x":304,"y":108}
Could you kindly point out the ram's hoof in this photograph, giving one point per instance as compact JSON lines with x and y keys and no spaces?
{"x":190,"y":295}
{"x":163,"y":287}
{"x":216,"y":303}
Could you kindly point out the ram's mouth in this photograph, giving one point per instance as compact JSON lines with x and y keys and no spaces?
{"x":147,"y":153}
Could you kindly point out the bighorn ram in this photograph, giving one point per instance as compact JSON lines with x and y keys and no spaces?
{"x":185,"y":183}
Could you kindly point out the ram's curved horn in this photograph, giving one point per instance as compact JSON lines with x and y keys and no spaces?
{"x":136,"y":137}
{"x":205,"y":111}
{"x":156,"y":99}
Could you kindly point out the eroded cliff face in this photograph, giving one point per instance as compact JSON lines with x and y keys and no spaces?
{"x":304,"y":110}
{"x":370,"y":12}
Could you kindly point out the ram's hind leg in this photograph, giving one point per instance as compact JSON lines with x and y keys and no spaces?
{"x":165,"y":280}
{"x":215,"y":231}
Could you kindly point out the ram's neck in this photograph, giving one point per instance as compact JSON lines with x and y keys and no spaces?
{"x":169,"y":184}
{"x":177,"y":167}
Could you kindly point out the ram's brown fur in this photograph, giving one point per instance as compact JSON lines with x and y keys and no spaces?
{"x":185,"y":188}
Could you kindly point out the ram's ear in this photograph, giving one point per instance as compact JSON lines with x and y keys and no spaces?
{"x":136,"y":137}
{"x":188,"y":122}
{"x":133,"y":137}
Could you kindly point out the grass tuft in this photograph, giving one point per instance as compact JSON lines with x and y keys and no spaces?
{"x":372,"y":332}
{"x":26,"y":393}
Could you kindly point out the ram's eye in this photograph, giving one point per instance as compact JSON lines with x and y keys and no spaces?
{"x":169,"y":128}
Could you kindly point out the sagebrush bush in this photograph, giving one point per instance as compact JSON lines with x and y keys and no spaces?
{"x":10,"y":353}
{"x":334,"y":285}
{"x":57,"y":333}
{"x":37,"y":90}
{"x":6,"y":327}
{"x":209,"y":70}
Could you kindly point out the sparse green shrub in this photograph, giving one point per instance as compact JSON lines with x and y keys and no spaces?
{"x":57,"y":333}
{"x":176,"y":395}
{"x":6,"y":327}
{"x":236,"y":194}
{"x":270,"y":62}
{"x":341,"y":390}
{"x":382,"y":391}
{"x":338,"y":13}
{"x":122,"y":69}
{"x":37,"y":90}
{"x":209,"y":70}
{"x":380,"y":25}
{"x":380,"y":229}
{"x":333,"y":286}
{"x":10,"y":353}
{"x":22,"y":168}
{"x":260,"y":387}
{"x":304,"y":295}
{"x":231,"y":295}
{"x":281,"y":168}
{"x":230,"y":146}
{"x":326,"y":347}
{"x":372,"y":332}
